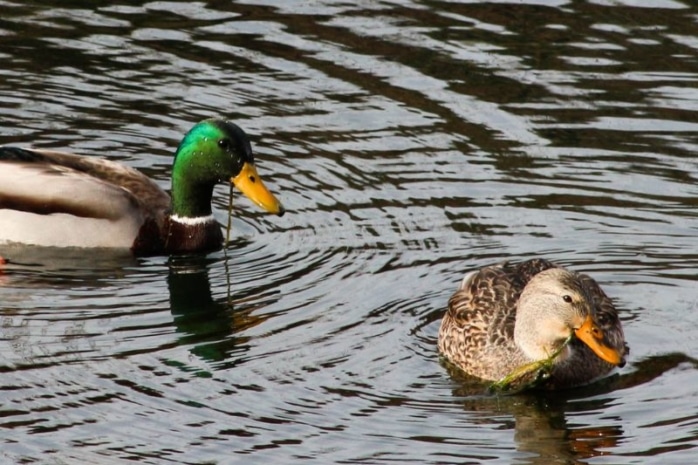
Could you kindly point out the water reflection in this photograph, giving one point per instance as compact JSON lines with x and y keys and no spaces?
{"x":37,"y":267}
{"x":210,"y":328}
{"x":412,"y":140}
{"x":560,"y":427}
{"x":546,"y":430}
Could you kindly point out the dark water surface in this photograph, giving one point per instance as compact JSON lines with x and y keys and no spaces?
{"x":410,"y":141}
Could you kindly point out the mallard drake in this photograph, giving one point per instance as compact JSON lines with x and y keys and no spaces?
{"x":59,"y":199}
{"x":505,"y":316}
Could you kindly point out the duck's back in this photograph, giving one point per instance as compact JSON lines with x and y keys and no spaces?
{"x":58,"y":199}
{"x":477,"y":332}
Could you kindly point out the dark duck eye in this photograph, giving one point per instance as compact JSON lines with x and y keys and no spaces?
{"x":225,"y":144}
{"x":567,"y":298}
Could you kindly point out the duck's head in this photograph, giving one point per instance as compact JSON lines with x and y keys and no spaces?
{"x":555,"y":304}
{"x":214,"y":151}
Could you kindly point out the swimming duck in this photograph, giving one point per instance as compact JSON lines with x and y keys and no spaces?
{"x":60,"y":199}
{"x":506,"y":316}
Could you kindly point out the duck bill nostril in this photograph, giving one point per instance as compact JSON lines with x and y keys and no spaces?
{"x":250,"y":184}
{"x":594,"y":338}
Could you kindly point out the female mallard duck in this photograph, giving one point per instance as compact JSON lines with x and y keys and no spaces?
{"x":506,"y":316}
{"x":63,"y":200}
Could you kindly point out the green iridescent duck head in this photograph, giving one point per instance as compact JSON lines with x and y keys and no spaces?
{"x":214,"y":151}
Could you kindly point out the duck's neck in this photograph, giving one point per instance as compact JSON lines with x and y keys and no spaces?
{"x":192,"y":235}
{"x":191,"y":226}
{"x":536,"y":328}
{"x":190,"y":201}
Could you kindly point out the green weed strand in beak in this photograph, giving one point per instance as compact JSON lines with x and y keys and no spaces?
{"x":529,"y":375}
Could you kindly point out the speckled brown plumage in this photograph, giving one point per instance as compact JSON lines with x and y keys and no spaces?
{"x":477,"y":331}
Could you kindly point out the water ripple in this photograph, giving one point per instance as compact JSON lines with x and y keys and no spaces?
{"x":410,"y":142}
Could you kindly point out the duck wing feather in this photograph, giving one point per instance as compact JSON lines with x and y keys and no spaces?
{"x":46,"y":182}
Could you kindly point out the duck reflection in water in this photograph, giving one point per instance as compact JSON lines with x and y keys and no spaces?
{"x":539,"y":419}
{"x":210,"y":326}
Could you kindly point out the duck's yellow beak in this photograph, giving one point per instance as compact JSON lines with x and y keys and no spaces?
{"x":250,"y":184}
{"x":593,"y":337}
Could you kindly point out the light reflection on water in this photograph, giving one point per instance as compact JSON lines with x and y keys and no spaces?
{"x":410,"y":142}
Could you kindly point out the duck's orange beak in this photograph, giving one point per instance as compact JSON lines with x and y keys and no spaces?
{"x":250,"y":184}
{"x":592,"y":336}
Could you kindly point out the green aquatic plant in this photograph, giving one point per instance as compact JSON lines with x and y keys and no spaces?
{"x":529,"y":375}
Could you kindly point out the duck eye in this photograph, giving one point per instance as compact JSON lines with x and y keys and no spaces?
{"x":225,"y":144}
{"x":567,"y":298}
